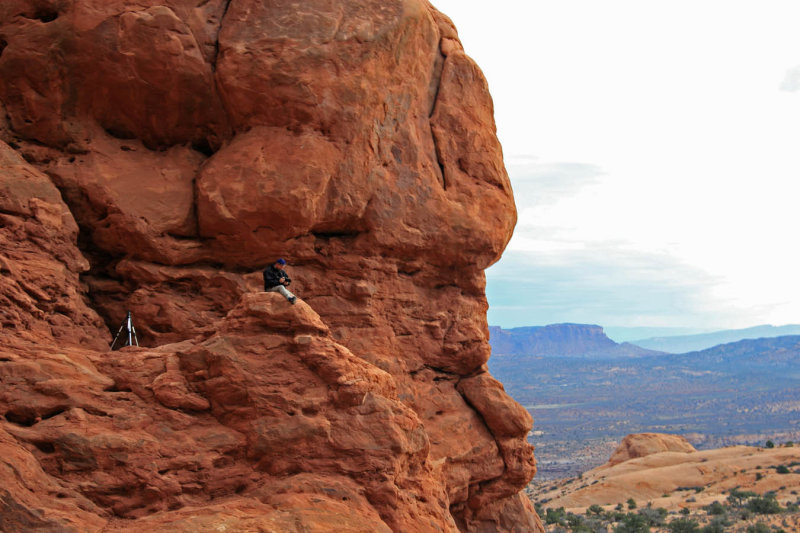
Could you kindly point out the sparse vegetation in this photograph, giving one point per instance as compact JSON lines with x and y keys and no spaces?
{"x":732,"y":515}
{"x":764,"y":505}
{"x":632,"y":523}
{"x":684,"y":525}
{"x":718,"y":524}
{"x":654,"y":517}
{"x":555,"y":516}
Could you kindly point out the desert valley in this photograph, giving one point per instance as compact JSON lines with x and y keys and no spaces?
{"x":674,"y":432}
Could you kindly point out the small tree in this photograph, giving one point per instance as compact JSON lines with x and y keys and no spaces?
{"x":631,"y":503}
{"x":770,"y":444}
{"x":555,"y":516}
{"x":737,"y":497}
{"x":594,"y":509}
{"x":782,"y":469}
{"x":684,"y":525}
{"x":716,"y":509}
{"x":764,"y":505}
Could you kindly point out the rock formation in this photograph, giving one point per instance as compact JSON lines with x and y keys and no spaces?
{"x":666,"y":471}
{"x":155,"y":156}
{"x":644,"y":444}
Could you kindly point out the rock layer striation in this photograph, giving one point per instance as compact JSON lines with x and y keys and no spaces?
{"x":155,"y":156}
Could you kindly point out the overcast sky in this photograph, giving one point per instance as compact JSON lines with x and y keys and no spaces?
{"x":654,"y":152}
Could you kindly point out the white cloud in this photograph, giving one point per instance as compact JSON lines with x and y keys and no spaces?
{"x":791,"y":83}
{"x":662,"y":134}
{"x":601,"y":285}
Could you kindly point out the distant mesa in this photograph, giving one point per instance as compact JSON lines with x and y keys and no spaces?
{"x":561,"y":340}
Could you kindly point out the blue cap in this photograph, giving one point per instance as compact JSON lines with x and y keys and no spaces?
{"x":281,"y":261}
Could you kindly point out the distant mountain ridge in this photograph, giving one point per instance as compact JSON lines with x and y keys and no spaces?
{"x":586,"y":341}
{"x":773,"y":354}
{"x":690,"y":343}
{"x":730,"y":393}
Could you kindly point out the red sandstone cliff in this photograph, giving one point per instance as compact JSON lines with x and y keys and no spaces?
{"x":155,"y":156}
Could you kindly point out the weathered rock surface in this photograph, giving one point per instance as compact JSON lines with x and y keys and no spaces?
{"x":155,"y":156}
{"x":644,"y":444}
{"x":675,"y":476}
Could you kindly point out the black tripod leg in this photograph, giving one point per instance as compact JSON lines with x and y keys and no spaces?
{"x":117,"y":337}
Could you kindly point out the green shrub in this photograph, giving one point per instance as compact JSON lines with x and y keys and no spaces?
{"x":632,"y":523}
{"x":575,"y":522}
{"x":713,"y":528}
{"x":719,"y":524}
{"x":684,"y":525}
{"x":782,"y":469}
{"x":654,"y":517}
{"x":716,"y":509}
{"x":764,"y":505}
{"x":631,"y":503}
{"x":770,"y":444}
{"x":594,"y":509}
{"x":579,"y":524}
{"x":555,"y":516}
{"x":760,"y":527}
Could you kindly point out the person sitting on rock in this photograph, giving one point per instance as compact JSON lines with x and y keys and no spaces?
{"x":276,"y":279}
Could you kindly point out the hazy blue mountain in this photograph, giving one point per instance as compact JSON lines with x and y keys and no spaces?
{"x":561,"y":340}
{"x":689,"y":343}
{"x":723,"y":395}
{"x":631,"y":334}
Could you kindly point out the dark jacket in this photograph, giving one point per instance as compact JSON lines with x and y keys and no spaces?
{"x":272,"y":275}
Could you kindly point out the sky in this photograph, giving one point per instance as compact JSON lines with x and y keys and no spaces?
{"x":654,"y":152}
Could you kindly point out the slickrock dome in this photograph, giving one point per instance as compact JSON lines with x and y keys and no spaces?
{"x":644,"y":444}
{"x":155,"y":156}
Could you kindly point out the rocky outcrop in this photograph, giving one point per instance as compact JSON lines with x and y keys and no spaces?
{"x":644,"y":444}
{"x":674,"y":476}
{"x":156,"y":156}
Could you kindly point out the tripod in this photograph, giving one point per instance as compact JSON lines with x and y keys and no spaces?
{"x":130,"y":333}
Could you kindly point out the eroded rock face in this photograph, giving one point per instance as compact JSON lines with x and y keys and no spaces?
{"x":156,"y":156}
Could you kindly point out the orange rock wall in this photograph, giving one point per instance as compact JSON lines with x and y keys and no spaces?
{"x":156,"y":156}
